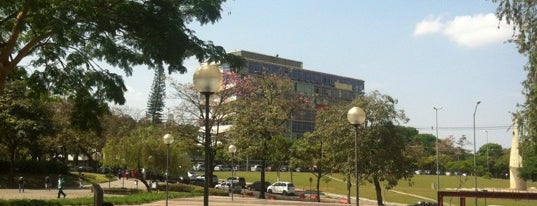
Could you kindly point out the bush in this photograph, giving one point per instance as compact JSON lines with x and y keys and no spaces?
{"x":40,"y":167}
{"x":121,"y":191}
{"x":28,"y":203}
{"x":179,"y":187}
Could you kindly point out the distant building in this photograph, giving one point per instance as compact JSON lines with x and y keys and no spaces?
{"x":322,"y":88}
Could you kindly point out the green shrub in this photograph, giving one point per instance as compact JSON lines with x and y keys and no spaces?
{"x":39,"y":167}
{"x":179,"y":187}
{"x":121,"y":191}
{"x":27,"y":202}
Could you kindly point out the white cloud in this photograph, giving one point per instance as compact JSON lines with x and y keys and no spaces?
{"x":468,"y":31}
{"x":428,"y":26}
{"x":135,"y":99}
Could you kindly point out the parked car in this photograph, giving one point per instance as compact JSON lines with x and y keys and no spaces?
{"x":285,"y":188}
{"x":199,"y":167}
{"x":238,"y":180}
{"x":256,"y":186}
{"x":256,"y":168}
{"x":179,"y":179}
{"x":191,"y":174}
{"x":198,"y":182}
{"x":104,"y":170}
{"x":422,"y":203}
{"x":214,"y":179}
{"x":221,"y":185}
{"x":235,"y":188}
{"x":83,"y":168}
{"x":222,"y":168}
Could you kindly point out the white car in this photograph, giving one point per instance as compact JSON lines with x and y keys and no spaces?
{"x":222,"y":168}
{"x":285,"y":188}
{"x":236,"y":188}
{"x":256,"y":168}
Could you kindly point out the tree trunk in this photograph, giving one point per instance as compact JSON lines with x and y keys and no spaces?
{"x":349,"y":185}
{"x":3,"y":78}
{"x":12,"y":165}
{"x":378,"y":190}
{"x":318,"y":186}
{"x":263,"y":186}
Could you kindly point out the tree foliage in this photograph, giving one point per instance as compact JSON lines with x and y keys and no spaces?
{"x":191,"y":110}
{"x":144,"y":148}
{"x":326,"y":148}
{"x":264,"y":105}
{"x":381,"y":143}
{"x":522,"y":15}
{"x":24,"y":119}
{"x":155,"y":102}
{"x":62,"y":41}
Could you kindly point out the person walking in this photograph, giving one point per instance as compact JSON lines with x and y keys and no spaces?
{"x":47,"y":183}
{"x":60,"y":186}
{"x":21,"y":184}
{"x":80,"y":182}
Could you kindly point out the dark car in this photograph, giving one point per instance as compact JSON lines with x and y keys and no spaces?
{"x":83,"y":168}
{"x":180,"y":179}
{"x":238,"y":180}
{"x":422,"y":203}
{"x":256,"y":186}
{"x":197,"y":181}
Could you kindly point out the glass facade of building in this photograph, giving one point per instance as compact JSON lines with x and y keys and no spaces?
{"x":323,"y":88}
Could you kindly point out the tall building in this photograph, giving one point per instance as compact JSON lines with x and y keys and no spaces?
{"x":324,"y":89}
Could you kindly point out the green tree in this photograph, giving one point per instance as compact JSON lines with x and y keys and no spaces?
{"x":521,"y":14}
{"x":490,"y":156}
{"x":63,"y":40}
{"x":325,"y":148}
{"x":24,"y":119}
{"x":144,"y":148}
{"x":155,"y":103}
{"x":382,"y":144}
{"x":264,"y":105}
{"x":191,"y":111}
{"x":421,"y":148}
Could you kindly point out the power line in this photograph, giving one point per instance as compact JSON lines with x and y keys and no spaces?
{"x":501,"y":127}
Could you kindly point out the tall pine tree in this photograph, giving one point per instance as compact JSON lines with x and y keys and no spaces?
{"x":155,"y":103}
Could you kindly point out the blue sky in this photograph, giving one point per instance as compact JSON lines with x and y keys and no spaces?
{"x":446,"y":54}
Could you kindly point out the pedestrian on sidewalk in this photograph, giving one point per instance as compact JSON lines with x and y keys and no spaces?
{"x":60,"y":186}
{"x":21,"y":184}
{"x":80,"y":182}
{"x":47,"y":183}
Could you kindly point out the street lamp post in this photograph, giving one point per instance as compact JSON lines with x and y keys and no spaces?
{"x":168,"y":140}
{"x":207,"y":80}
{"x":475,"y":155}
{"x":232,"y":149}
{"x":437,"y":151}
{"x":356,"y":117}
{"x":488,"y":168}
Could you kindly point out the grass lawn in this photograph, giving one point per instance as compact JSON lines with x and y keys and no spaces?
{"x":421,"y":185}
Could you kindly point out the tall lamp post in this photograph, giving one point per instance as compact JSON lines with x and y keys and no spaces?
{"x":232,"y":149}
{"x":437,"y":151}
{"x":488,"y":168}
{"x":207,"y":80}
{"x":356,"y":117}
{"x":168,"y":140}
{"x":475,"y":155}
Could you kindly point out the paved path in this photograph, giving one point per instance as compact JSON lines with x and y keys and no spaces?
{"x":213,"y":200}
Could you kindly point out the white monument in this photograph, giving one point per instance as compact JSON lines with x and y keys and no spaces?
{"x":515,"y":163}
